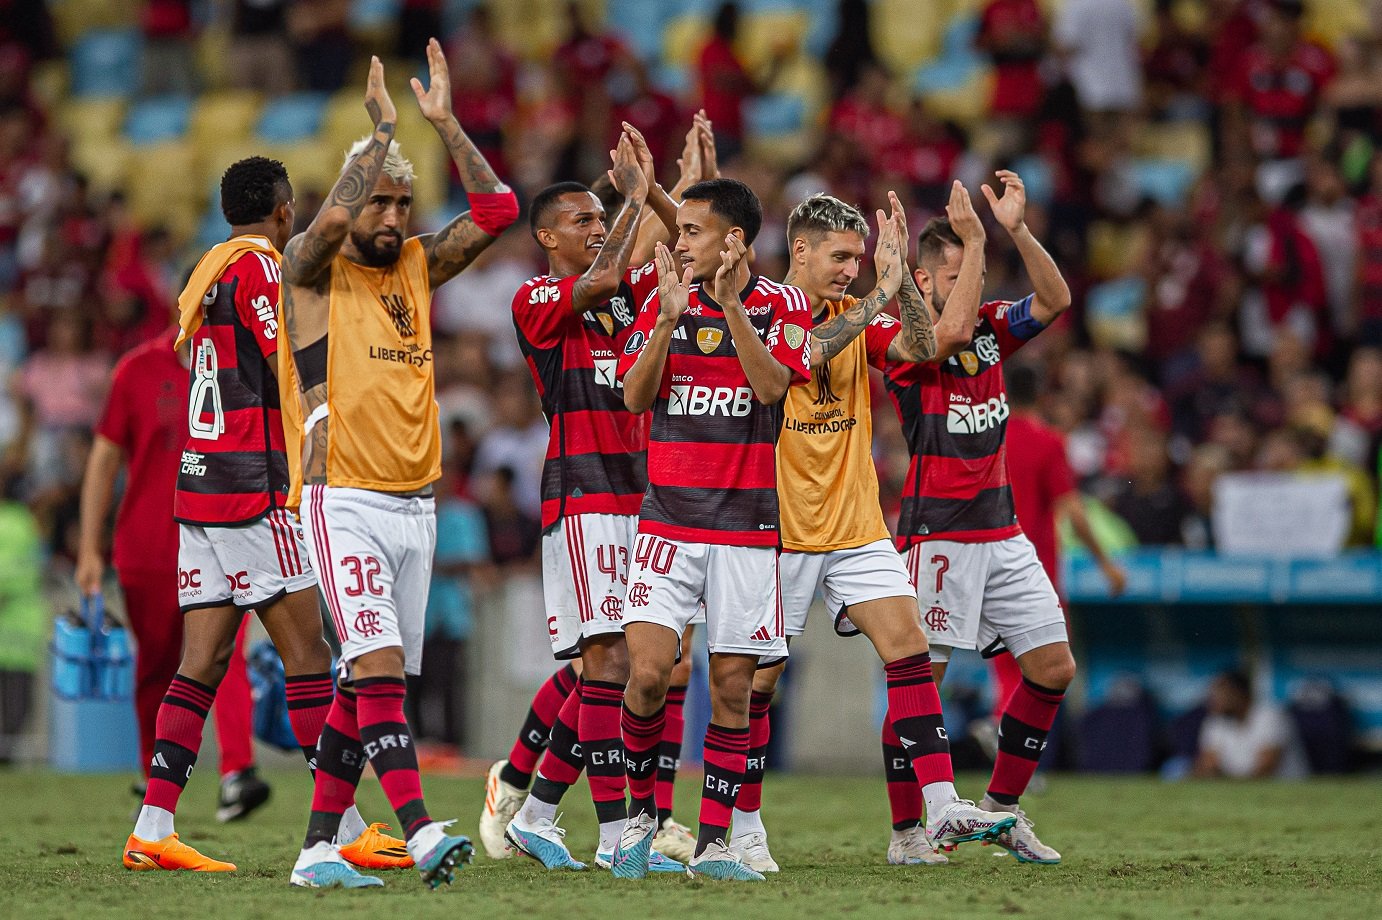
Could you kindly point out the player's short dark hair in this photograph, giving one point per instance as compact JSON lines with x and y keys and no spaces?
{"x":1023,"y":383}
{"x":732,"y":200}
{"x":935,"y":238}
{"x":251,"y":188}
{"x":821,"y":214}
{"x":545,"y":202}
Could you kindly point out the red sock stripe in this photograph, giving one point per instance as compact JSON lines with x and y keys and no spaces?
{"x":1036,"y":707}
{"x":759,"y":704}
{"x":343,"y":716}
{"x":728,"y":740}
{"x":726,"y":754}
{"x":676,"y":697}
{"x":191,"y":694}
{"x":642,"y":728}
{"x":563,"y":682}
{"x":642,"y":739}
{"x":562,"y":762}
{"x":602,"y":746}
{"x":602,"y":694}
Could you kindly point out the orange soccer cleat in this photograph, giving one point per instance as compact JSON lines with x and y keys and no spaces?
{"x":169,"y":853}
{"x":376,"y":850}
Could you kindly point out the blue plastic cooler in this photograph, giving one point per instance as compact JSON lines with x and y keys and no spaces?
{"x":92,"y":728}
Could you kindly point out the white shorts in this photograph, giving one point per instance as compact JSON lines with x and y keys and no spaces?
{"x":844,"y":577}
{"x":669,"y":579}
{"x":585,"y":572}
{"x":374,"y":553}
{"x":249,"y":566}
{"x":985,"y":595}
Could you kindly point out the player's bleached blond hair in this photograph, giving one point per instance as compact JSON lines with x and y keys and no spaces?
{"x":396,"y":166}
{"x":821,"y":214}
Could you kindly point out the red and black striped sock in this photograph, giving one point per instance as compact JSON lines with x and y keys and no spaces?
{"x":537,"y":727}
{"x":760,"y":731}
{"x":602,"y":747}
{"x":642,"y":741}
{"x":177,"y":739}
{"x":914,"y":704}
{"x":904,"y":795}
{"x":1027,"y":720}
{"x":726,"y":752}
{"x":389,"y":747}
{"x":309,"y":701}
{"x":340,"y":760}
{"x":564,"y":760}
{"x":669,"y":752}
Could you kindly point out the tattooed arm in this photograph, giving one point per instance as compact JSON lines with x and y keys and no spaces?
{"x":834,"y":335}
{"x":917,"y":340}
{"x":307,"y":257}
{"x":456,"y":245}
{"x":601,"y":280}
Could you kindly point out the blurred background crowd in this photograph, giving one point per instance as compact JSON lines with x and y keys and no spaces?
{"x":1206,"y":172}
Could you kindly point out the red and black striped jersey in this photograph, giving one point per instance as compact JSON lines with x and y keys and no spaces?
{"x":954,"y":416}
{"x":712,"y":474}
{"x":233,"y":469}
{"x":597,"y":450}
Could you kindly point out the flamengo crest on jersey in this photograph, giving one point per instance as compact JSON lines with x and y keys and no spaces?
{"x":233,"y":468}
{"x":954,"y":416}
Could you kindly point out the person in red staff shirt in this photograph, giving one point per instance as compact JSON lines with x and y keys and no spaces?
{"x":142,"y":428}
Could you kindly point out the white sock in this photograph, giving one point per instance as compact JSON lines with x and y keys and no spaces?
{"x":351,"y":827}
{"x":317,"y":852}
{"x":153,"y":823}
{"x":535,"y":812}
{"x":937,"y":796}
{"x":745,"y":823}
{"x":609,"y":834}
{"x":425,"y":838}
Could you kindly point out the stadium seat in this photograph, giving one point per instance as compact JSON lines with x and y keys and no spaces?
{"x":292,"y":118}
{"x":161,"y":118}
{"x":775,"y":114}
{"x":91,"y":119}
{"x":904,"y":50}
{"x":682,"y":40}
{"x":374,"y":15}
{"x":639,"y":23}
{"x":74,"y":18}
{"x":965,"y":103}
{"x":1164,"y":181}
{"x":311,"y":164}
{"x":106,"y":63}
{"x":1187,"y":141}
{"x":1037,"y":177}
{"x":224,"y":117}
{"x":104,"y":161}
{"x":760,"y":34}
{"x":163,"y":188}
{"x":1115,"y":314}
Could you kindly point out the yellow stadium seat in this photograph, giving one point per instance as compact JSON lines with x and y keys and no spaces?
{"x":533,"y":28}
{"x":967,"y":104}
{"x":1188,"y":141}
{"x":103,"y":160}
{"x":762,"y":33}
{"x":224,"y":118}
{"x":1331,"y":21}
{"x":162,"y":184}
{"x":311,"y":165}
{"x":87,"y":118}
{"x":683,"y":39}
{"x":73,"y":17}
{"x":906,"y":33}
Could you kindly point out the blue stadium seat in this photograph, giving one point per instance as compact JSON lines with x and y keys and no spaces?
{"x":779,"y":113}
{"x":946,"y":73}
{"x":640,"y":23}
{"x":292,"y":118}
{"x":368,"y":15}
{"x":106,"y":63}
{"x":161,"y":118}
{"x":1037,"y":178}
{"x":1164,"y":181}
{"x":959,"y":36}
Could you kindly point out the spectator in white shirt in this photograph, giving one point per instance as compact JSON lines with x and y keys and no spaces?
{"x":1243,"y":738}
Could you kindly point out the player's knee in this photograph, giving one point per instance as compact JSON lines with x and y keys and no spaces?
{"x":647,"y":681}
{"x":207,"y":662}
{"x":606,"y":658}
{"x":765,"y":679}
{"x":1058,"y":673}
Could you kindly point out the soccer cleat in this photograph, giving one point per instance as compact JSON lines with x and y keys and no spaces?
{"x":675,"y":841}
{"x":752,"y":850}
{"x":962,"y":821}
{"x":321,"y":866}
{"x":657,"y":862}
{"x":439,"y":864}
{"x":1019,"y":839}
{"x":543,"y":843}
{"x":169,"y":853}
{"x":241,"y":793}
{"x":911,"y":848}
{"x":719,"y":862}
{"x":502,"y":802}
{"x":376,"y":850}
{"x":632,"y":855}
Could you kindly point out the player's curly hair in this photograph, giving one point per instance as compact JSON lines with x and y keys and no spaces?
{"x":732,"y":200}
{"x":251,"y":188}
{"x":821,"y":214}
{"x":936,"y":237}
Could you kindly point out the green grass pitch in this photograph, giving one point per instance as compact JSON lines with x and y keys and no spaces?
{"x":1133,"y":848}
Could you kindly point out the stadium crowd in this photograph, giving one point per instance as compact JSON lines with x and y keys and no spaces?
{"x":1205,"y":173}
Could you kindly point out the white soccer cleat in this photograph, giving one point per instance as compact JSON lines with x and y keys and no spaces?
{"x":502,"y":802}
{"x":1020,"y":840}
{"x":911,"y":848}
{"x":675,"y":841}
{"x":962,"y":821}
{"x":752,"y":850}
{"x":722,"y":864}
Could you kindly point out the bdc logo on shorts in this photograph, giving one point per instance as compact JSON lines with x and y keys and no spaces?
{"x":367,"y":623}
{"x":937,"y":619}
{"x":240,"y":581}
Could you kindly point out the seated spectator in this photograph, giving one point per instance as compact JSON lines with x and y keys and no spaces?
{"x":1245,"y":738}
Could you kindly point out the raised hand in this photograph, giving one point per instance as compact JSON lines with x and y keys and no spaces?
{"x":645,"y":156}
{"x":435,"y":102}
{"x":888,"y":260}
{"x":1010,"y":209}
{"x":377,"y":101}
{"x":963,"y":218}
{"x":900,"y":214}
{"x":690,"y":160}
{"x":673,"y":293}
{"x":627,"y":174}
{"x":710,"y":164}
{"x":726,"y":286}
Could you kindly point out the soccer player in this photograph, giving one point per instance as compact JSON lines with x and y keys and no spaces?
{"x":572,"y":325}
{"x":144,"y":426}
{"x":833,"y":536}
{"x":356,"y":297}
{"x":978,"y":580}
{"x":237,"y":548}
{"x":712,"y":353}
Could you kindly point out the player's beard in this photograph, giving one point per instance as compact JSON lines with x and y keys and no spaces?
{"x":371,"y":254}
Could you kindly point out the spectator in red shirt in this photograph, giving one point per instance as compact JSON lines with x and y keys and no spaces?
{"x":1279,"y":82}
{"x":168,"y":58}
{"x":144,"y":425}
{"x":484,"y":93}
{"x":725,"y":83}
{"x":864,"y":118}
{"x":1367,"y":310}
{"x":1013,"y":32}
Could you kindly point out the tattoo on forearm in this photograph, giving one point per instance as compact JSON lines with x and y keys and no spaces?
{"x":834,"y":335}
{"x":918,"y":337}
{"x":476,"y":174}
{"x":453,"y":247}
{"x":614,"y":253}
{"x":314,"y":463}
{"x":308,"y":255}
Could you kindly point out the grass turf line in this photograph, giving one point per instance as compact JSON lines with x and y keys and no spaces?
{"x":1133,"y":848}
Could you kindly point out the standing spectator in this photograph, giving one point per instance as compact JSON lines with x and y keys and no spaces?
{"x":62,"y":386}
{"x":1174,"y":67}
{"x":1098,"y":40}
{"x":514,"y":533}
{"x":467,"y":305}
{"x":418,"y":21}
{"x":517,"y":442}
{"x":584,"y":62}
{"x":320,"y":31}
{"x":864,"y":118}
{"x":484,"y":92}
{"x":1357,"y":435}
{"x":725,"y":83}
{"x":23,"y":615}
{"x":1149,"y":500}
{"x":1013,"y":32}
{"x":260,"y":57}
{"x":1367,"y":309}
{"x":851,"y":50}
{"x":169,"y":42}
{"x":1247,"y":738}
{"x":1328,"y":220}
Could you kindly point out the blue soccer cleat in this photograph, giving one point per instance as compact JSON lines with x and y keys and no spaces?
{"x":439,"y":864}
{"x":322,"y":867}
{"x":543,"y":843}
{"x":632,"y":855}
{"x":722,"y":864}
{"x":657,"y":862}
